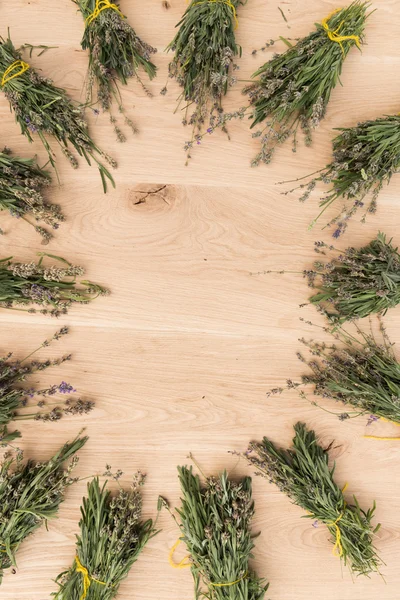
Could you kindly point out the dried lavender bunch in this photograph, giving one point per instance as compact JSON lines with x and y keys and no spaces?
{"x":205,"y":50}
{"x":361,"y":372}
{"x":303,"y":474}
{"x":21,"y":182}
{"x":30,"y":494}
{"x":111,"y":539}
{"x":364,"y":158}
{"x":15,"y":400}
{"x":116,"y":54}
{"x":293,"y":89}
{"x":216,"y":528}
{"x":55,"y":288}
{"x":44,"y":109}
{"x":358,"y":282}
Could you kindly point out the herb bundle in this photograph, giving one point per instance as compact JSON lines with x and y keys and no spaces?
{"x":43,"y":109}
{"x":55,"y":288}
{"x":116,"y":54}
{"x":30,"y":494}
{"x":303,"y":474}
{"x":293,"y":89}
{"x":111,"y":539}
{"x":358,"y":282}
{"x":205,"y":50}
{"x":216,"y":528}
{"x":15,"y":400}
{"x":364,"y":158}
{"x":21,"y":182}
{"x":362,"y":372}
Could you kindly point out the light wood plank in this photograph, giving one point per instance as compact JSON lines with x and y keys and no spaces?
{"x":179,"y":358}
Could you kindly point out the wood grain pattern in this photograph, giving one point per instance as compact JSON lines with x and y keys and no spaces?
{"x":180,"y":356}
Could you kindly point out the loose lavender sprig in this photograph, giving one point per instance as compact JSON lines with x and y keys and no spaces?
{"x":205,"y":50}
{"x":30,"y":495}
{"x":21,"y":183}
{"x":364,"y":158}
{"x":116,"y":54}
{"x":16,"y":401}
{"x":112,"y":537}
{"x":43,"y":109}
{"x":303,"y":474}
{"x":55,"y":288}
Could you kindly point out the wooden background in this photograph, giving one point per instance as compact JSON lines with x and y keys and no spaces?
{"x":179,"y":358}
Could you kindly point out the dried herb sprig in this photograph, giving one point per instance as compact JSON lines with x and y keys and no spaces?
{"x":30,"y":494}
{"x":43,"y":109}
{"x":112,"y":536}
{"x":55,"y":288}
{"x":357,"y":282}
{"x":116,"y":54}
{"x":205,"y":51}
{"x":304,"y":475}
{"x":215,"y":523}
{"x":364,"y":158}
{"x":293,"y":89}
{"x":21,"y":183}
{"x":356,"y":370}
{"x":15,"y":400}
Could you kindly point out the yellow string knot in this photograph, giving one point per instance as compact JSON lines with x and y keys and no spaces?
{"x":18,"y":64}
{"x":337,"y":549}
{"x":334,"y":36}
{"x":227,"y":2}
{"x":182,"y":564}
{"x":100,"y":6}
{"x":87,"y":579}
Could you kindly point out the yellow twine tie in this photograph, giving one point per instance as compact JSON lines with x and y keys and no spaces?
{"x":87,"y":579}
{"x":334,"y":35}
{"x":382,"y":438}
{"x":337,"y":549}
{"x":230,"y":582}
{"x":182,"y":564}
{"x":23,"y":66}
{"x":100,"y":6}
{"x":227,"y":2}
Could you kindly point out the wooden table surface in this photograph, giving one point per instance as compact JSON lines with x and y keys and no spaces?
{"x":179,"y":358}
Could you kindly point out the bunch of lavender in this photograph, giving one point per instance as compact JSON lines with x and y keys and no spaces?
{"x":111,"y":539}
{"x":358,"y":282}
{"x":303,"y":474}
{"x":21,"y":181}
{"x":293,"y":89}
{"x":216,"y":528}
{"x":364,"y":158}
{"x":205,"y":49}
{"x":30,"y":494}
{"x":14,"y":400}
{"x":55,"y":288}
{"x":43,"y":109}
{"x":362,"y":373}
{"x":116,"y":53}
